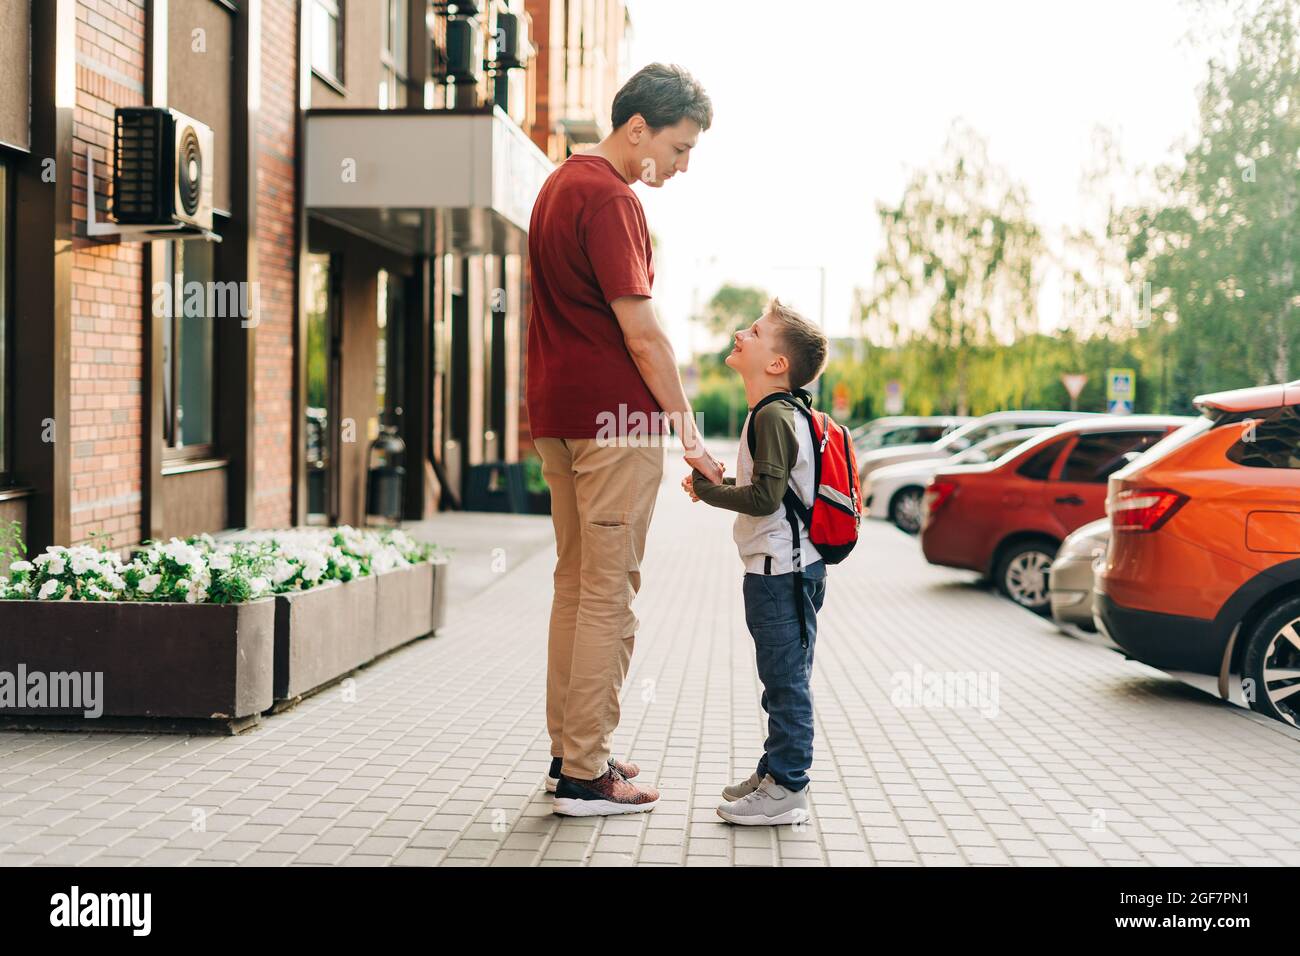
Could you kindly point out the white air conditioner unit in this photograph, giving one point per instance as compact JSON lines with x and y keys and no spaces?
{"x":162,"y":169}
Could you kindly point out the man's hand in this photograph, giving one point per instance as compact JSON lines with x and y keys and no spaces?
{"x":688,"y":485}
{"x":709,"y":466}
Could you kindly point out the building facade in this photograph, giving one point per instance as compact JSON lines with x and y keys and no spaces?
{"x":372,"y":167}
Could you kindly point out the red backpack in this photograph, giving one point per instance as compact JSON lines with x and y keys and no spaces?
{"x":833,"y":519}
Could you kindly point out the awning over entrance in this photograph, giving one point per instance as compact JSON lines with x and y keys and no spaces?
{"x":396,"y":176}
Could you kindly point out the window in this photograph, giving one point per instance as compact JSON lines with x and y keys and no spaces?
{"x":1039,"y":465}
{"x":4,"y":320}
{"x":1096,"y":455}
{"x":390,"y":370}
{"x":1274,"y":442}
{"x":392,"y":55}
{"x":327,"y":39}
{"x":189,"y":351}
{"x":321,"y":382}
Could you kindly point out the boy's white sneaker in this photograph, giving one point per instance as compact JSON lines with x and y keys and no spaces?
{"x":769,"y":805}
{"x":742,"y":789}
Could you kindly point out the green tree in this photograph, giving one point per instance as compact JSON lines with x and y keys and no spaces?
{"x":957,"y":251}
{"x":1220,"y":248}
{"x":733,"y":307}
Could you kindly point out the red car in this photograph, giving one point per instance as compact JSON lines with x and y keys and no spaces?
{"x":1203,"y":569}
{"x":1006,"y":519}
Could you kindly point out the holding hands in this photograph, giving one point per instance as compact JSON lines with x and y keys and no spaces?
{"x":688,"y":483}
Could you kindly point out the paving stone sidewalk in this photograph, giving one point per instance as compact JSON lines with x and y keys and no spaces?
{"x":1065,"y":754}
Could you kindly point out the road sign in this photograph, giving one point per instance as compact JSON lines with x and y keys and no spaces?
{"x":1074,"y":382}
{"x":893,"y":397}
{"x":840,"y":401}
{"x":1121,"y":390}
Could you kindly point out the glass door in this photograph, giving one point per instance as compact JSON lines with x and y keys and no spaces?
{"x":322,"y":422}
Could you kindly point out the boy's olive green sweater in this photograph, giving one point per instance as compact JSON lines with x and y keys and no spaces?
{"x":782,"y":458}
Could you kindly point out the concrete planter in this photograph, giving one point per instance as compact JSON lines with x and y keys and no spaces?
{"x":404,"y":607}
{"x":439,"y":617}
{"x":205,"y":662}
{"x":322,"y":634}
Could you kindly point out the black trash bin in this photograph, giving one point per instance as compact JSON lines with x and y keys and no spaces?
{"x":496,"y":486}
{"x":385,"y":477}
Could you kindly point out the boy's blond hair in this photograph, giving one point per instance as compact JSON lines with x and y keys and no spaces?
{"x":805,"y":345}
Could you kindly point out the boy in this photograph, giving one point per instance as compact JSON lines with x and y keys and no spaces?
{"x":781,"y":352}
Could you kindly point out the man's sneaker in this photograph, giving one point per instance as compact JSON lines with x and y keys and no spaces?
{"x":768,"y":806}
{"x":608,"y":794}
{"x":628,"y":770}
{"x":742,"y":789}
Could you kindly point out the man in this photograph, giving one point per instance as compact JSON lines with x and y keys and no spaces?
{"x":599,"y":369}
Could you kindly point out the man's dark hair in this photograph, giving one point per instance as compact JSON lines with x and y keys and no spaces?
{"x":665,"y":94}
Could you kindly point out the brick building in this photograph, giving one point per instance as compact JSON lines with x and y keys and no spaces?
{"x":372,"y":167}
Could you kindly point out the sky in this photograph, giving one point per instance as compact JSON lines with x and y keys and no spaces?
{"x":822,"y":109}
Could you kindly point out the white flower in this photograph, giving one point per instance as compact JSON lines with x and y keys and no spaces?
{"x":22,"y":566}
{"x":81,"y":564}
{"x":48,"y":589}
{"x":196,"y":593}
{"x":55,"y":567}
{"x":150,"y":584}
{"x":182,"y":553}
{"x":219,"y":562}
{"x":313,"y":566}
{"x":282,"y":572}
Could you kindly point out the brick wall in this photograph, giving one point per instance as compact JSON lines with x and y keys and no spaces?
{"x":276,"y":261}
{"x":107,"y":288}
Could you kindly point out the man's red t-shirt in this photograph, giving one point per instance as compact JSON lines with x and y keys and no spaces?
{"x":588,"y":244}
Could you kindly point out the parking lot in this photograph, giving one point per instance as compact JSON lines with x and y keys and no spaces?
{"x":952,"y":728}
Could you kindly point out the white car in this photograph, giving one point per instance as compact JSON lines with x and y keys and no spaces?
{"x":894,"y":492}
{"x":961,"y":438}
{"x":903,"y":430}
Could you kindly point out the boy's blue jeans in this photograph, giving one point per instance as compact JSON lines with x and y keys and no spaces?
{"x":785,"y":668}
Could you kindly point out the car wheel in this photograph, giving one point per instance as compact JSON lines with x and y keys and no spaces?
{"x":905,"y":509}
{"x":1272,"y":663}
{"x":1022,"y":574}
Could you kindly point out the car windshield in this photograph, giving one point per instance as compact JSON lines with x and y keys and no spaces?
{"x":898,"y":435}
{"x":970,"y":434}
{"x":991,"y":448}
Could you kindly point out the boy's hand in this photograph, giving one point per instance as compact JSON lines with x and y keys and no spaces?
{"x":688,"y":486}
{"x":709,"y":466}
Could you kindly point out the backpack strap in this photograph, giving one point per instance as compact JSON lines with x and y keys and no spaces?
{"x":795,"y":511}
{"x":796,"y":557}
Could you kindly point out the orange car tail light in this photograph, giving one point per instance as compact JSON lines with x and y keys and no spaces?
{"x":1144,"y":509}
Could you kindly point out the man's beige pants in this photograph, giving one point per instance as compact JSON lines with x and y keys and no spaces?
{"x":602,"y":498}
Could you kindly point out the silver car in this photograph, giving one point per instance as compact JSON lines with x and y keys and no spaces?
{"x":961,"y":438}
{"x":903,"y":430}
{"x":1072,"y":573}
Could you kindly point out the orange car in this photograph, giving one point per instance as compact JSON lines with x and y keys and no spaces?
{"x":1203,"y":569}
